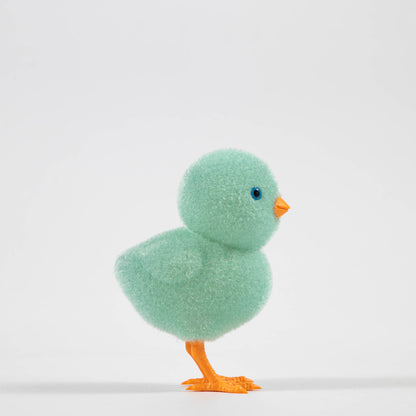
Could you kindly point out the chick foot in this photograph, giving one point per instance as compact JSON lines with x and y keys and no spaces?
{"x":241,"y":381}
{"x":211,"y":381}
{"x":219,"y":384}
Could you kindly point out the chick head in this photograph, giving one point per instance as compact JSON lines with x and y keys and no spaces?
{"x":230,"y":196}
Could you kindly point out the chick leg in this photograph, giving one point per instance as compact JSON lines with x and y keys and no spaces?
{"x":211,"y":380}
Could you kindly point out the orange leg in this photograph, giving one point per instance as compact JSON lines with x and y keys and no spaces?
{"x":211,"y":380}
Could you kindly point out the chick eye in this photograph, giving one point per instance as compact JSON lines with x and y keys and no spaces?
{"x":256,"y":193}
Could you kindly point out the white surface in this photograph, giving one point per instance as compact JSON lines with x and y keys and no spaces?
{"x":102,"y":108}
{"x":120,"y":399}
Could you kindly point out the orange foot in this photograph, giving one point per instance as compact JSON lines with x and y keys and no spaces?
{"x":244,"y":382}
{"x":217,"y":384}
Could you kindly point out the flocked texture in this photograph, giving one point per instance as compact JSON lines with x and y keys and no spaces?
{"x":215,"y":199}
{"x":192,"y":287}
{"x":202,"y":282}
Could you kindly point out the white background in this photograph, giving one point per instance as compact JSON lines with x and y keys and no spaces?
{"x":103,"y":105}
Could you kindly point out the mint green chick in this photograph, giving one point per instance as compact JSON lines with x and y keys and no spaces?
{"x":200,"y":281}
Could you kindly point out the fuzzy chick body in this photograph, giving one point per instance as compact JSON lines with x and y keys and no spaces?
{"x":192,"y":287}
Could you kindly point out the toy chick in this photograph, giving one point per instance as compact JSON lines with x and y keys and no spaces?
{"x":200,"y":281}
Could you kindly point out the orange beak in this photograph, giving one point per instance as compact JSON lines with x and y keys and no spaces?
{"x":280,"y":207}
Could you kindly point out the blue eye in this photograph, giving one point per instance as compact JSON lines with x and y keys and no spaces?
{"x":256,"y":193}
